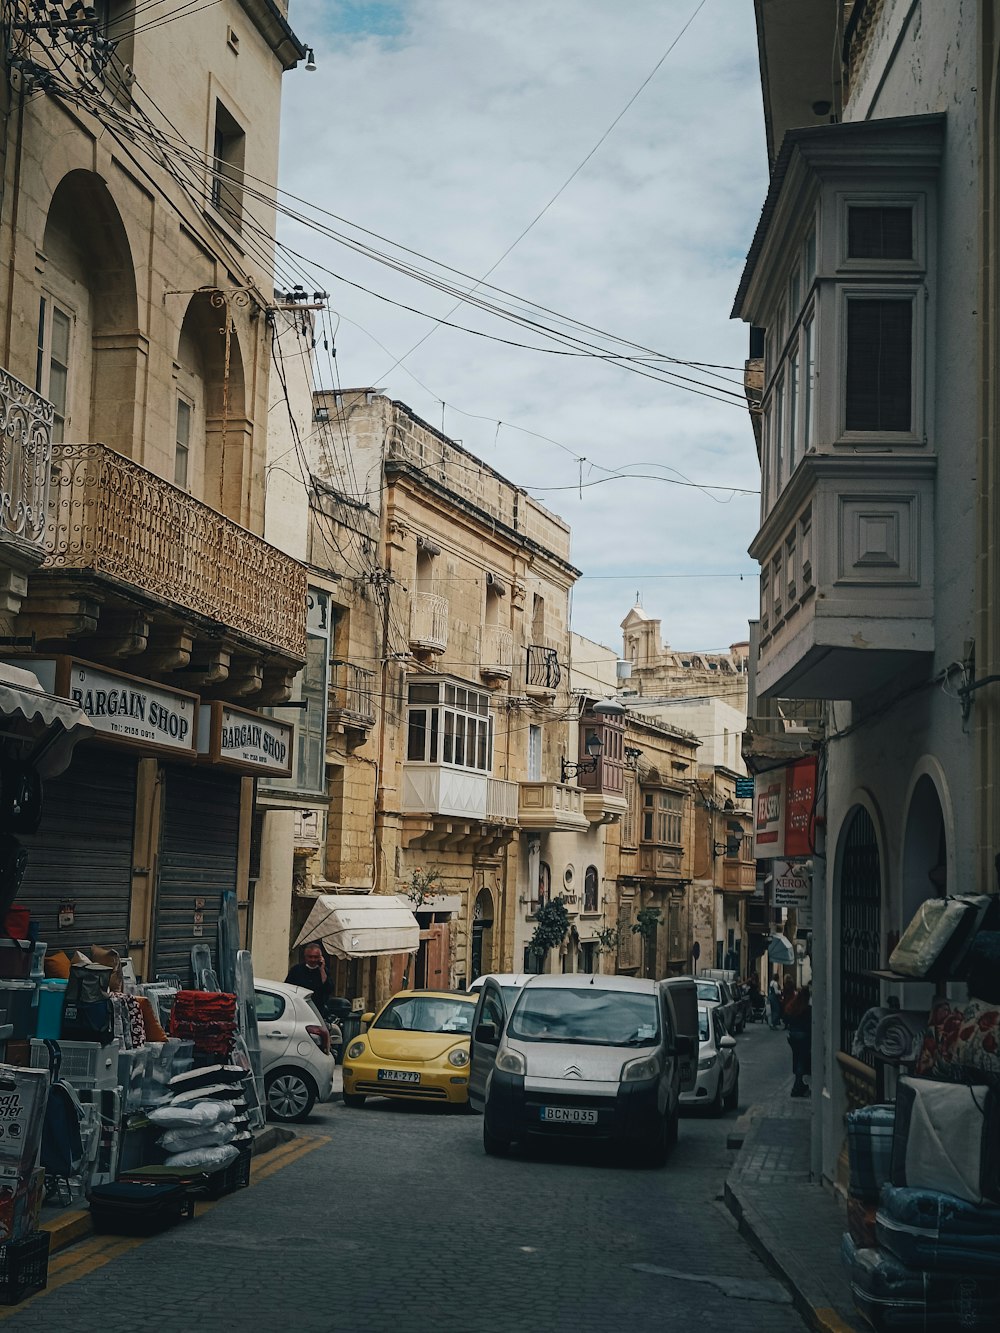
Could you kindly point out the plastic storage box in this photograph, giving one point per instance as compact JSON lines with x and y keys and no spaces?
{"x":51,"y":998}
{"x":85,"y":1064}
{"x":24,"y":1267}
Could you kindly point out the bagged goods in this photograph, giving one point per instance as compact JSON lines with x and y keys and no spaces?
{"x":204,"y":1159}
{"x":869,"y":1146}
{"x":197,"y":1115}
{"x":936,"y":941}
{"x":892,"y":1296}
{"x":947,"y":1138}
{"x":181,"y":1140}
{"x":861,"y":1222}
{"x":900,"y":1034}
{"x":938,"y":1232}
{"x":962,"y":1043}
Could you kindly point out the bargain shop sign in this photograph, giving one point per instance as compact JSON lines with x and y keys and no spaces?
{"x":785,"y":811}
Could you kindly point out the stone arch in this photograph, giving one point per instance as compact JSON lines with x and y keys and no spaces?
{"x":928,"y":850}
{"x":210,"y":379}
{"x":482,"y":933}
{"x":859,"y":898}
{"x":89,"y":276}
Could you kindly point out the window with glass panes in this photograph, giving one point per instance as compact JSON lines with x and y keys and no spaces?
{"x":449,"y":723}
{"x":662,"y":812}
{"x":311,"y":686}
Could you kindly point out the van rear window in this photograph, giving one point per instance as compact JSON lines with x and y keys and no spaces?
{"x":586,"y":1017}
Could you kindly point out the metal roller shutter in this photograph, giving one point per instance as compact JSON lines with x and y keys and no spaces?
{"x":82,"y":853}
{"x":199,"y":844}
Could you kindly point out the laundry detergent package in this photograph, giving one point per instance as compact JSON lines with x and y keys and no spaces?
{"x":23,"y":1094}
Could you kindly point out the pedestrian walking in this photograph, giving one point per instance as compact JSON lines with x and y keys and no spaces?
{"x":774,"y":1003}
{"x":787,"y":995}
{"x":798,"y":1020}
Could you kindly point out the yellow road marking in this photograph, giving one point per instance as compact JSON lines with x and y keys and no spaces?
{"x":86,"y":1257}
{"x":830,"y":1321}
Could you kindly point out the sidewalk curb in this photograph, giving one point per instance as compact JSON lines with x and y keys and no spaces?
{"x":73,"y":1226}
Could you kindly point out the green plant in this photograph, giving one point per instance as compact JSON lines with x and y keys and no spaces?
{"x":551,"y":925}
{"x":424,"y":884}
{"x":609,"y":939}
{"x":646,"y":921}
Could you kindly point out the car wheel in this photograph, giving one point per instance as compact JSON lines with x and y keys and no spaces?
{"x":732,"y":1098}
{"x":354,"y":1099}
{"x":493,"y":1144}
{"x":716,"y":1106}
{"x":291,"y":1095}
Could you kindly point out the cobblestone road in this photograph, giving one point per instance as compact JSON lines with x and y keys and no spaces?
{"x":399,"y":1222}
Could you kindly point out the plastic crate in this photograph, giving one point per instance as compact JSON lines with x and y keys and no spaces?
{"x":84,"y":1064}
{"x":24,"y":1267}
{"x":235,"y":1176}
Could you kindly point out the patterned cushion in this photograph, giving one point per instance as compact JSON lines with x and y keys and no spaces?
{"x":961,"y":1040}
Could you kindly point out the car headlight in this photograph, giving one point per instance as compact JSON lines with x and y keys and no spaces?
{"x":647,"y":1067}
{"x":511,"y":1062}
{"x":707,"y":1062}
{"x":459,"y":1057}
{"x":355,"y":1049}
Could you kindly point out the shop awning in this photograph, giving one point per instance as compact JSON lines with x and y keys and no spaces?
{"x":779,"y":950}
{"x":361,"y":926}
{"x":51,"y":726}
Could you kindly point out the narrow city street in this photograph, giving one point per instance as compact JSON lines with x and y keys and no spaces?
{"x":392,"y":1218}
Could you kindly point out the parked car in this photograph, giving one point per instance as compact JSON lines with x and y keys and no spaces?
{"x":718,"y":1086}
{"x":597,"y":1058}
{"x":295,"y":1050}
{"x":496,"y":993}
{"x":415,"y":1047}
{"x":715,"y":991}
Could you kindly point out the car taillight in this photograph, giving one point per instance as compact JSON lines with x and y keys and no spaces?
{"x":320,"y":1036}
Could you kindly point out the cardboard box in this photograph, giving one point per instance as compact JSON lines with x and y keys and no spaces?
{"x":23,"y":1094}
{"x":21,"y":1204}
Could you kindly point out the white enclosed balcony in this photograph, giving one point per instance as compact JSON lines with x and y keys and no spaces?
{"x":847,"y":576}
{"x":428,"y":622}
{"x":436,"y":789}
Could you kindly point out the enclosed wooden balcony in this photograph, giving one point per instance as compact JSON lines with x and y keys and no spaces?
{"x":351,"y":700}
{"x":847,"y":576}
{"x":551,"y":806}
{"x":739,"y":876}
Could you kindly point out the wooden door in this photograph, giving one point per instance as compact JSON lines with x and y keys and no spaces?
{"x":438,"y":961}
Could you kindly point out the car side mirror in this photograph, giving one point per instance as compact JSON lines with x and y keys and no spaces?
{"x":487,"y":1033}
{"x":367,"y":1018}
{"x":683,"y":1046}
{"x":727,"y":1043}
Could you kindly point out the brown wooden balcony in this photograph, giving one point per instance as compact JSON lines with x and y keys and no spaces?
{"x":153,"y":545}
{"x":739,"y":876}
{"x":428,"y":622}
{"x":351,"y":700}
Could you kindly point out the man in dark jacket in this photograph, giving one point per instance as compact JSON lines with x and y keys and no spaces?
{"x":312,"y":974}
{"x":798,"y":1020}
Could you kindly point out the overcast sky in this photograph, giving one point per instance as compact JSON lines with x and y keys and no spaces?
{"x":447,"y":126}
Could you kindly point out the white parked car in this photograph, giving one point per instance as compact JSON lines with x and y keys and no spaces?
{"x":718,"y":1086}
{"x":295,"y":1050}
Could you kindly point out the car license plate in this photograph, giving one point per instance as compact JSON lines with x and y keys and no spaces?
{"x":398,"y":1076}
{"x":568,"y":1115}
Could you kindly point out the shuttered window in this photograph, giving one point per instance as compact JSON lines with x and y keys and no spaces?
{"x":879,"y":364}
{"x":880,"y":233}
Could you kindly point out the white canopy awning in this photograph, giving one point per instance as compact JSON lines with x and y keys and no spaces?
{"x":780,"y":950}
{"x":352,"y":925}
{"x":55,"y":725}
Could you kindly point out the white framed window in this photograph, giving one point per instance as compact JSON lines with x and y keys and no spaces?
{"x":182,"y":444}
{"x":52,"y":363}
{"x":534,"y":753}
{"x":449,"y":723}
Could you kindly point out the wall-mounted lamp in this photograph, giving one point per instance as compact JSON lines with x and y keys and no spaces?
{"x":310,"y":60}
{"x":632,"y":757}
{"x":594,"y":746}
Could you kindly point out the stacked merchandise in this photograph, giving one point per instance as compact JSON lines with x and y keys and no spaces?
{"x":932,"y":1260}
{"x":208,"y":1018}
{"x":869,"y":1146}
{"x":23,"y":1248}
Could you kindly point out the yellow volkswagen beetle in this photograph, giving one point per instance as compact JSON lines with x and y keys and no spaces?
{"x":416,"y":1047}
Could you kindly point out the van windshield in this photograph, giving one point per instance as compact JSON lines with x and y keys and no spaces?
{"x":585,"y":1017}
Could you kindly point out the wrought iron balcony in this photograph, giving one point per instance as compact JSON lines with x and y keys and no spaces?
{"x":542,"y":670}
{"x":121,"y":523}
{"x":428,"y":622}
{"x":351,"y":697}
{"x":25,"y":462}
{"x":551,"y":806}
{"x":496,"y":657}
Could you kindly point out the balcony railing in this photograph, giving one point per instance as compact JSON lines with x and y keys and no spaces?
{"x":435,"y":789}
{"x":502,"y":801}
{"x":428,"y":622}
{"x":25,"y":462}
{"x":739,"y":876}
{"x":542,"y":670}
{"x":110,"y":517}
{"x":496,"y":657}
{"x":551,"y":805}
{"x":352,"y":695}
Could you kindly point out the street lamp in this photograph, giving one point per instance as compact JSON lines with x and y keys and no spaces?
{"x":593,"y":746}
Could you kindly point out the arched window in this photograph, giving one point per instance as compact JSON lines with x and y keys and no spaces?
{"x":591,"y":882}
{"x":544,"y":882}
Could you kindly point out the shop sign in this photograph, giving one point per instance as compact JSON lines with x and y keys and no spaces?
{"x":125,"y":709}
{"x":241,"y":739}
{"x":785,"y":810}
